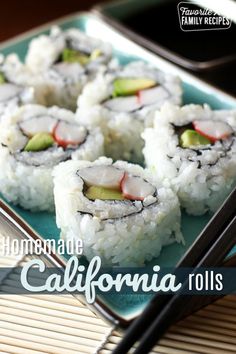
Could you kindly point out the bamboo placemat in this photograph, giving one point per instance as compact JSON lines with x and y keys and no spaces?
{"x":61,"y":324}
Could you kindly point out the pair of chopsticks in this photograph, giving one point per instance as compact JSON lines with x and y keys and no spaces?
{"x":209,"y":250}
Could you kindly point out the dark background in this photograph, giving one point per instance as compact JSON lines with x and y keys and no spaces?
{"x":18,"y":16}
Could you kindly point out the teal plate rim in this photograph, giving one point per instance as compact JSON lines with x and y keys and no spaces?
{"x":215,"y":97}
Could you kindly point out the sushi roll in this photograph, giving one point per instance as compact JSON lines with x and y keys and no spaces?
{"x":14,"y":85}
{"x":62,"y":62}
{"x":32,"y":142}
{"x":123,"y":102}
{"x":196,"y":148}
{"x":116,"y":210}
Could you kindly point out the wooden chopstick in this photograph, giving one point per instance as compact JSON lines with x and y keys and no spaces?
{"x":203,"y":242}
{"x":170,"y":312}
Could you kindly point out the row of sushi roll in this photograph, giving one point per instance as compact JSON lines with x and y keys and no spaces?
{"x":109,"y":147}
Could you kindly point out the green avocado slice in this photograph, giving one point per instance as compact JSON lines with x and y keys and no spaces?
{"x":96,"y":53}
{"x":95,"y":192}
{"x":126,"y":87}
{"x":74,"y":56}
{"x":39,"y":142}
{"x":192,"y":138}
{"x":2,"y":79}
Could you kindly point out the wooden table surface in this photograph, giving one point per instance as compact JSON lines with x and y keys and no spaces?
{"x":18,"y":16}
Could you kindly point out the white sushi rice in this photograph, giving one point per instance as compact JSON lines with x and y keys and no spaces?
{"x":54,"y":43}
{"x":122,"y":129}
{"x":128,"y":240}
{"x":202,"y":181}
{"x":61,"y":83}
{"x":16,"y":89}
{"x":26,"y":177}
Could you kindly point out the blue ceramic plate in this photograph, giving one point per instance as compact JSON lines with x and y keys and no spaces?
{"x":125,"y":307}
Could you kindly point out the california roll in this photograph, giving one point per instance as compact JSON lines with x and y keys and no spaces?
{"x":62,"y":62}
{"x":196,"y":149}
{"x":15,"y":89}
{"x":34,"y":140}
{"x":116,"y":210}
{"x":122,"y":102}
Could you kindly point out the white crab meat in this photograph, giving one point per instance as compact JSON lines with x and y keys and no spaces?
{"x":69,"y":70}
{"x":135,"y":188}
{"x":213,"y":130}
{"x":66,"y":134}
{"x":152,"y":95}
{"x":42,"y":124}
{"x":9,"y":91}
{"x":123,"y":104}
{"x":102,"y":176}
